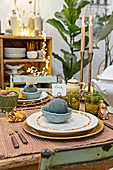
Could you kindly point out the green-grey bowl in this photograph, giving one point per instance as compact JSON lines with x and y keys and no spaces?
{"x":7,"y":103}
{"x":32,"y":95}
{"x":56,"y":117}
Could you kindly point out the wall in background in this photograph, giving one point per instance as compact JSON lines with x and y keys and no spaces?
{"x":47,"y":10}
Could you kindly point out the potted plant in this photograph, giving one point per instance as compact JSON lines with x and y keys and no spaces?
{"x":65,"y":23}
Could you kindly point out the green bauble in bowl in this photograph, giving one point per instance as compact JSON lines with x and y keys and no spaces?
{"x":57,"y":111}
{"x":30,"y":92}
{"x":58,"y":105}
{"x":30,"y":88}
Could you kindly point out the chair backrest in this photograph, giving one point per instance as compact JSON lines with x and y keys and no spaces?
{"x":39,"y":79}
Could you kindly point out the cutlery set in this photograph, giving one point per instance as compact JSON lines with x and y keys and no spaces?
{"x":14,"y":140}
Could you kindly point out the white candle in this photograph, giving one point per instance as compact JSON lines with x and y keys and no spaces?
{"x":90,"y":35}
{"x":83,"y":34}
{"x":34,"y":6}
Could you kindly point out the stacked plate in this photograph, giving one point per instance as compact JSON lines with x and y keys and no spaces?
{"x":14,"y":52}
{"x":42,"y":99}
{"x":80,"y":125}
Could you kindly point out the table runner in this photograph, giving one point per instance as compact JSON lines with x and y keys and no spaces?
{"x":35,"y":144}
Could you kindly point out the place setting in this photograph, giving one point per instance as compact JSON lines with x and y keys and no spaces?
{"x":58,"y":121}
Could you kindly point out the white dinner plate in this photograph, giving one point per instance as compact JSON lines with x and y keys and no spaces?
{"x":79,"y":122}
{"x":43,"y":96}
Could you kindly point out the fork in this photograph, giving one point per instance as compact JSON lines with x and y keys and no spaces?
{"x":22,"y":138}
{"x":13,"y":139}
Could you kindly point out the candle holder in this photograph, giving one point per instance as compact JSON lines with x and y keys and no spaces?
{"x":90,"y":55}
{"x":81,"y":69}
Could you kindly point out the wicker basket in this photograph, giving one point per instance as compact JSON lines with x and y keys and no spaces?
{"x":7,"y":103}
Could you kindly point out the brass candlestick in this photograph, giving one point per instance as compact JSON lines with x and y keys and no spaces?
{"x":81,"y":69}
{"x":89,"y":78}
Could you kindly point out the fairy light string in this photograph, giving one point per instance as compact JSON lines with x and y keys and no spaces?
{"x":44,"y":71}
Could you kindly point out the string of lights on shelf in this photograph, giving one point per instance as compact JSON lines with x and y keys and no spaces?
{"x":45,"y":69}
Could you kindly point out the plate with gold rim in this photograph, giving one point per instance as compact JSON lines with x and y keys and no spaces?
{"x":36,"y":103}
{"x":43,"y":96}
{"x":79,"y":122}
{"x":45,"y":135}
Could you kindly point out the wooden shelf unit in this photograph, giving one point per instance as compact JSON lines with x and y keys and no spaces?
{"x":21,"y":42}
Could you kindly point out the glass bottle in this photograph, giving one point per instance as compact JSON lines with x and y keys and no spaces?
{"x":15,"y":24}
{"x":8,"y":30}
{"x":30,"y":19}
{"x":37,"y":24}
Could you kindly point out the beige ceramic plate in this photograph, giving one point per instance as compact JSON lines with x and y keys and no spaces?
{"x":79,"y":122}
{"x":36,"y":103}
{"x":43,"y":96}
{"x":37,"y":133}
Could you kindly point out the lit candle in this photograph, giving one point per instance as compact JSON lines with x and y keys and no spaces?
{"x":90,"y":35}
{"x":83,"y":34}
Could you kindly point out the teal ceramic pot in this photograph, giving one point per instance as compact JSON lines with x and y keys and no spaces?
{"x":55,"y":117}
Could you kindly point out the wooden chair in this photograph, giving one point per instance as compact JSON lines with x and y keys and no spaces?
{"x":39,"y":79}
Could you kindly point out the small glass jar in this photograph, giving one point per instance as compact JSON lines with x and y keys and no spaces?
{"x":92,"y":103}
{"x":73,"y":100}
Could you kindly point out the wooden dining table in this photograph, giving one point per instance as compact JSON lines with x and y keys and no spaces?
{"x":92,"y":156}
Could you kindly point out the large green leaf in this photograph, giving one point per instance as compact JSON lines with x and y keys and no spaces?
{"x":71,"y":14}
{"x":68,"y":56}
{"x":66,"y":68}
{"x":73,"y":28}
{"x":101,"y":20}
{"x":69,"y":3}
{"x":106,"y":30}
{"x":77,"y":44}
{"x":67,"y":73}
{"x":60,"y":59}
{"x":57,"y":24}
{"x":59,"y":27}
{"x":79,"y":32}
{"x":61,"y":17}
{"x":81,"y":4}
{"x":96,"y":32}
{"x":76,"y":66}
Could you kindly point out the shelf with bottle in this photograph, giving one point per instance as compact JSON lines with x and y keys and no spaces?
{"x":42,"y":65}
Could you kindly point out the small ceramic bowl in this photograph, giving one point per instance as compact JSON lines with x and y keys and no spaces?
{"x":32,"y":54}
{"x":55,"y":117}
{"x":32,"y":95}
